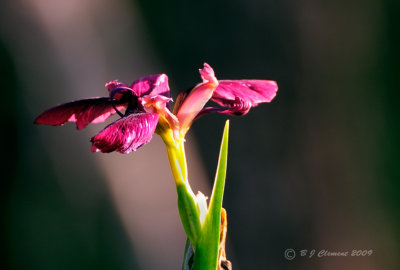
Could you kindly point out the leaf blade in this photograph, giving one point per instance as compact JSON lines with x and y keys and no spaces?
{"x":206,"y":251}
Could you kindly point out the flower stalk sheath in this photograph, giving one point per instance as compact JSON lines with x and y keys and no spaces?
{"x":188,"y":208}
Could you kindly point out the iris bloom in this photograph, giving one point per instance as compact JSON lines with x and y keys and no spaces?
{"x":146,"y":108}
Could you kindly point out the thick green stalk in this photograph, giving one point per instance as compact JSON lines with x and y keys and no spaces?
{"x":176,"y":156}
{"x":188,"y":209}
{"x":205,"y":236}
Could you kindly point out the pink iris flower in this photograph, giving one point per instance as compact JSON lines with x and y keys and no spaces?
{"x":145,"y":106}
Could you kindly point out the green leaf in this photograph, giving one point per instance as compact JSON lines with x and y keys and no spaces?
{"x":206,"y":249}
{"x":189,"y":212}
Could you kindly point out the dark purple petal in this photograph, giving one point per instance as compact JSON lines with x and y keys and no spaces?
{"x":83,"y":112}
{"x":111,"y":85}
{"x":120,"y":92}
{"x":152,"y":85}
{"x":126,"y":134}
{"x":207,"y":110}
{"x":240,"y":95}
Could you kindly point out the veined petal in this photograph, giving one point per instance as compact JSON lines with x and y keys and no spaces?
{"x":152,"y":85}
{"x":83,"y":112}
{"x":126,"y":134}
{"x":241,"y":95}
{"x":194,"y":102}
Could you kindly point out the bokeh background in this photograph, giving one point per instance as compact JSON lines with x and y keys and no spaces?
{"x":318,"y":168}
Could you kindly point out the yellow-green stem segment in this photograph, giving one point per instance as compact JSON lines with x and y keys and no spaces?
{"x":188,"y":209}
{"x":204,"y":237}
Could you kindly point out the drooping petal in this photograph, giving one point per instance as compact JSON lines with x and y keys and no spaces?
{"x":194,"y":102}
{"x":126,"y":134}
{"x":152,"y":85}
{"x":83,"y":112}
{"x":240,"y":95}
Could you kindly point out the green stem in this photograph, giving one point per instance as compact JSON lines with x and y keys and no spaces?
{"x":187,"y":205}
{"x":203,"y":237}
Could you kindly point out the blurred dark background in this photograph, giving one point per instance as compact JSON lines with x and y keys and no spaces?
{"x":318,"y":168}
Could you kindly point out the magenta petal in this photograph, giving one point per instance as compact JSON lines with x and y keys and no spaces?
{"x":83,"y":112}
{"x":111,"y":85}
{"x":241,"y":95}
{"x":154,"y":104}
{"x":194,"y":102}
{"x":126,"y":134}
{"x":152,"y":85}
{"x":118,"y":90}
{"x":207,"y":74}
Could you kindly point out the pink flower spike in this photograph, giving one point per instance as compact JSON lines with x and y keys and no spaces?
{"x":194,"y":102}
{"x":83,"y":112}
{"x":152,"y":85}
{"x":126,"y":134}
